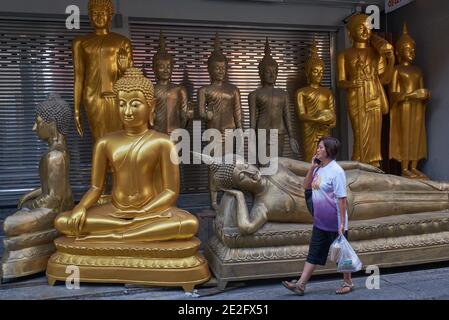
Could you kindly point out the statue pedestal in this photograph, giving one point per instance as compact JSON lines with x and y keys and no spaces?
{"x":279,"y":250}
{"x":27,"y":254}
{"x":165,"y":263}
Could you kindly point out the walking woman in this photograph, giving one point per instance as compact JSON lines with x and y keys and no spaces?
{"x":328,"y":183}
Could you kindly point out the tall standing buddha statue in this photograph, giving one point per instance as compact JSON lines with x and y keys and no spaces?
{"x":408,"y":99}
{"x":96,"y":67}
{"x":269,"y":106}
{"x":315,"y":106}
{"x":172,"y":107}
{"x":219,"y":104}
{"x":363,"y":69}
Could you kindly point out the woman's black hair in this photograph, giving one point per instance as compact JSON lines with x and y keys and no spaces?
{"x":332,"y":146}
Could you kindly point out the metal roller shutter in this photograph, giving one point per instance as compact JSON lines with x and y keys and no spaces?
{"x":35,"y":59}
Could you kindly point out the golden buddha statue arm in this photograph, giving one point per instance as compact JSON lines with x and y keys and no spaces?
{"x":287,"y":117}
{"x":78,"y":67}
{"x":170,"y":182}
{"x":29,"y":196}
{"x":184,"y":114}
{"x":394,"y":89}
{"x":248,"y":223}
{"x":99,"y":168}
{"x":252,"y":110}
{"x":331,"y":106}
{"x":387,"y":58}
{"x":237,"y":109}
{"x":56,"y":182}
{"x":343,"y":81}
{"x":302,"y":112}
{"x":205,"y":115}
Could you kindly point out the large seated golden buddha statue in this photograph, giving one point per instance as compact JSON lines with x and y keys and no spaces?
{"x":140,"y":237}
{"x":394,"y":221}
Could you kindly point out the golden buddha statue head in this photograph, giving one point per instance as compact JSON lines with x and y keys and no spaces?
{"x":162,"y":61}
{"x":53,"y":116}
{"x":359,"y":28}
{"x":268,"y":67}
{"x":405,"y":46}
{"x":101,"y":13}
{"x":217,"y":63}
{"x":314,"y":66}
{"x":135,"y":94}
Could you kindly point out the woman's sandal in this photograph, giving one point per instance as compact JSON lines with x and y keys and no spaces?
{"x":292,"y":286}
{"x":346,"y":288}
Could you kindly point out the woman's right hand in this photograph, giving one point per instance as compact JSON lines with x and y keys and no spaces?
{"x":77,"y":219}
{"x":314,"y":163}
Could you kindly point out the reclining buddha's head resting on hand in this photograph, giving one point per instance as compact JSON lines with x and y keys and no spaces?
{"x":232,"y":172}
{"x":136,"y":98}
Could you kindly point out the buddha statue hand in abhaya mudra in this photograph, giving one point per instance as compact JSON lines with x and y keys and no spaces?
{"x":142,"y":214}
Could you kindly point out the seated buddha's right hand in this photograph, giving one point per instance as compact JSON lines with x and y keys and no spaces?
{"x":77,"y":219}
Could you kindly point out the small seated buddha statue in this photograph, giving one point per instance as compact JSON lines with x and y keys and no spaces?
{"x":141,"y":222}
{"x":29,"y":231}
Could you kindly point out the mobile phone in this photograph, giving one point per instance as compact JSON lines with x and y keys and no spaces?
{"x":317,"y":161}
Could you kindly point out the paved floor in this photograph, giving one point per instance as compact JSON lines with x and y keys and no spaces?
{"x":411,"y":283}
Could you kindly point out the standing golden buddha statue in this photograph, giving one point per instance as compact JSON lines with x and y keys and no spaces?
{"x":172,"y":108}
{"x":408,"y":97}
{"x":315,"y":106}
{"x":96,"y":66}
{"x":269,"y":106}
{"x":30,"y":232}
{"x":140,"y":237}
{"x":362,"y":71}
{"x":219,"y":104}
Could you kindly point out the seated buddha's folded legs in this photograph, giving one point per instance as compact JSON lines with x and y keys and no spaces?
{"x":172,"y":224}
{"x":27,"y":221}
{"x":181,"y":225}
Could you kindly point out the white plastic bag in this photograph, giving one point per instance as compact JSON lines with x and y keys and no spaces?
{"x":345,"y":256}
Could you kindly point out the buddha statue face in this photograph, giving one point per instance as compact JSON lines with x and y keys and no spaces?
{"x":135,"y":111}
{"x":268,"y":74}
{"x":100,"y":13}
{"x":43,"y":129}
{"x":315,"y":74}
{"x":407,"y":52}
{"x":217,"y":70}
{"x":163,"y":69}
{"x":246,"y":177}
{"x":359,"y":28}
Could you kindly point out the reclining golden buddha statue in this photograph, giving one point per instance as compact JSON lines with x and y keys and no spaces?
{"x":140,"y":237}
{"x":393,"y":220}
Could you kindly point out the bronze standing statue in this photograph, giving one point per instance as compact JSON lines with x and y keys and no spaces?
{"x":315,"y":106}
{"x":97,"y":68}
{"x":219,"y":104}
{"x":362,"y":71}
{"x":172,"y":106}
{"x":408,"y":99}
{"x":30,"y":232}
{"x":269,"y":106}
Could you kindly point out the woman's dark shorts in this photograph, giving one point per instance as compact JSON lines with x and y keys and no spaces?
{"x":320,"y":245}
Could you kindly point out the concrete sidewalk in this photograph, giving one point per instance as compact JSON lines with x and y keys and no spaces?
{"x":407,"y":283}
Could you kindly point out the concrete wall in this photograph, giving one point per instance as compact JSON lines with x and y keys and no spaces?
{"x":428,"y":23}
{"x":201,"y":10}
